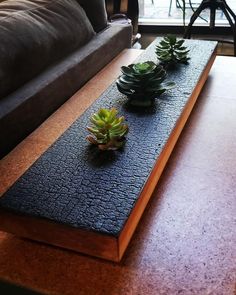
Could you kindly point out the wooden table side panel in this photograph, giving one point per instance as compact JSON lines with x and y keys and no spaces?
{"x":49,"y":232}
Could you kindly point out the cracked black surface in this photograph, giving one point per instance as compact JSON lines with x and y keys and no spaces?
{"x":75,"y":184}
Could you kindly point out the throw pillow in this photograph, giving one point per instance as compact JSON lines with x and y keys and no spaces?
{"x":35,"y":34}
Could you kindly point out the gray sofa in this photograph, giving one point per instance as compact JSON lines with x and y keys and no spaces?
{"x":48,"y":50}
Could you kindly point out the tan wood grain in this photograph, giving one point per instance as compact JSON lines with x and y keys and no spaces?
{"x":46,"y":231}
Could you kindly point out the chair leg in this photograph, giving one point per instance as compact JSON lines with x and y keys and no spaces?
{"x":232,"y":24}
{"x":170,"y":8}
{"x":196,"y":14}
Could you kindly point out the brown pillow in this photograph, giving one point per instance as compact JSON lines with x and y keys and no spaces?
{"x":35,"y":34}
{"x":96,"y":12}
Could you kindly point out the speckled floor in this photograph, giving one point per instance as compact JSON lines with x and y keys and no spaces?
{"x":186,"y":240}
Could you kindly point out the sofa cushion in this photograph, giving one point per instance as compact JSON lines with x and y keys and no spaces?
{"x":34,"y":34}
{"x":96,"y":12}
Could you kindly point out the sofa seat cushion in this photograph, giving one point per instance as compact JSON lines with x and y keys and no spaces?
{"x":35,"y":34}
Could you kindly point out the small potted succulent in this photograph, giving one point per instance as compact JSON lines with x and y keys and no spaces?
{"x":171,"y":51}
{"x":143,"y":82}
{"x":108,"y":130}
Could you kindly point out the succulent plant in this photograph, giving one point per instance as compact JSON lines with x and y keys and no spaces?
{"x":171,"y":50}
{"x":142,"y":82}
{"x":108,"y":130}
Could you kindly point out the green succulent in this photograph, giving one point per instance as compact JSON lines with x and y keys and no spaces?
{"x":108,"y":130}
{"x":142,"y":82}
{"x":171,"y":50}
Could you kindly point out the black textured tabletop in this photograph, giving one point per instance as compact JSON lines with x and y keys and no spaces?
{"x":75,"y":184}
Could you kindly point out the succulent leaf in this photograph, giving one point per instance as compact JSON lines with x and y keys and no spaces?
{"x":171,"y":51}
{"x":107,"y":129}
{"x":142,"y":82}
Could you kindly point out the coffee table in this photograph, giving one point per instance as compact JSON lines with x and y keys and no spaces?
{"x":185,"y":242}
{"x":70,"y":199}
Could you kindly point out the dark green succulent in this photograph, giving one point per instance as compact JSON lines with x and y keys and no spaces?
{"x":171,"y":51}
{"x":108,"y":130}
{"x":142,"y":82}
